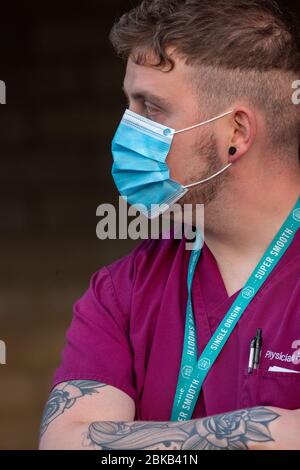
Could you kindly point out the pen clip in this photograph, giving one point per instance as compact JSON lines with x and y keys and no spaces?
{"x":258,"y":348}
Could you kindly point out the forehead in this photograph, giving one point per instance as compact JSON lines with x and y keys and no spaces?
{"x":140,"y":78}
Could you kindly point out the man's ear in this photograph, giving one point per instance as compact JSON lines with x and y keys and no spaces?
{"x":244,"y":128}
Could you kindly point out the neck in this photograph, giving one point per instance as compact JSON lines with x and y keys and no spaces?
{"x":245,"y":221}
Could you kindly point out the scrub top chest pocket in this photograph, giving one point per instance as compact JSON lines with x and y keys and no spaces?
{"x":276,"y":381}
{"x":267,"y":388}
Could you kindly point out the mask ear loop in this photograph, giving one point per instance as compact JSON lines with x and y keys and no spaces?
{"x":208,"y":179}
{"x":198,"y":125}
{"x":201,"y":124}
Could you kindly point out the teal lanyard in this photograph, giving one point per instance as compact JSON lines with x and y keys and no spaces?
{"x":192,"y":372}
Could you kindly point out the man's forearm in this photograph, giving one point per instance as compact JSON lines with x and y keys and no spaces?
{"x":237,"y":430}
{"x":259,"y":428}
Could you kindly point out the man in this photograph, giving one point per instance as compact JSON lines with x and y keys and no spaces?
{"x":234,"y":61}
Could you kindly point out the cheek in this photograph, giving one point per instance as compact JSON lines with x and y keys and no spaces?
{"x":178,"y":159}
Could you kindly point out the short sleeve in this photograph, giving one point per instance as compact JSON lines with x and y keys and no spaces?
{"x":97,"y":341}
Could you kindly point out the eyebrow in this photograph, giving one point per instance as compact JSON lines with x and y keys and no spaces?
{"x":147,"y":96}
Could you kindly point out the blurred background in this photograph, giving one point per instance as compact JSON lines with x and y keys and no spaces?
{"x":64,"y":101}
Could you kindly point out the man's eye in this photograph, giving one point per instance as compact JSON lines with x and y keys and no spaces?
{"x":151,"y":110}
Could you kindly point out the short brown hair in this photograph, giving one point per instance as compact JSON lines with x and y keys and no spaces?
{"x":246,"y":49}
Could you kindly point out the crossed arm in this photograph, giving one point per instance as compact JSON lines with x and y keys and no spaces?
{"x":84,"y":414}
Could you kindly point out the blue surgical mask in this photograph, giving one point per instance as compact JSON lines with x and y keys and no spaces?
{"x":140,"y":148}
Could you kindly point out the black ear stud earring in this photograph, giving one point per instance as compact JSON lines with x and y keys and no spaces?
{"x":232,"y":150}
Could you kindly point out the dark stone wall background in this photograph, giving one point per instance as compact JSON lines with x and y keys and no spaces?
{"x":64,"y":101}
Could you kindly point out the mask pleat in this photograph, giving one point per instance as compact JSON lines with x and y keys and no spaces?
{"x":140,"y":143}
{"x":136,"y":162}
